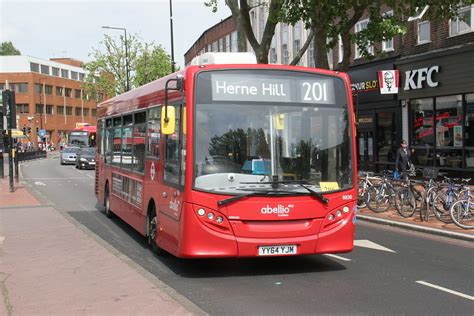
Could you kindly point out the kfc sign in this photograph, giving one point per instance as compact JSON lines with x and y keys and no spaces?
{"x":388,"y":81}
{"x":414,"y":79}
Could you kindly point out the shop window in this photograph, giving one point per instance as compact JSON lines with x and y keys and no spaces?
{"x":424,"y":32}
{"x":386,"y":134}
{"x":422,"y":136}
{"x":468,"y":132}
{"x":449,"y":121}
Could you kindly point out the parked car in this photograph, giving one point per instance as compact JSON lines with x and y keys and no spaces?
{"x":86,"y":158}
{"x":69,"y":155}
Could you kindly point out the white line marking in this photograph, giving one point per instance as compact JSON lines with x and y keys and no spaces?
{"x":469,"y":297}
{"x":337,"y":257}
{"x":2,"y":239}
{"x":371,"y":245}
{"x":39,"y":183}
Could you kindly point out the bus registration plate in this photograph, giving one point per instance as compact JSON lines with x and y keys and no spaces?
{"x":277,"y":250}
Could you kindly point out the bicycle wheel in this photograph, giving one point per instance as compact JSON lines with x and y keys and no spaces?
{"x":462,"y":214}
{"x":441,"y":206}
{"x":378,"y":199}
{"x":361,"y":194}
{"x":405,"y":202}
{"x":428,"y":200}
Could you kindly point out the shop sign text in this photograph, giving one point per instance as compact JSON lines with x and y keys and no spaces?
{"x":414,"y":79}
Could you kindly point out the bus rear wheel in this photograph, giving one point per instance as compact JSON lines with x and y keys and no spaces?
{"x":108,"y":211}
{"x":153,"y":232}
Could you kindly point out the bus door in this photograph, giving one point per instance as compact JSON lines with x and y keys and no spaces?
{"x":172,"y":193}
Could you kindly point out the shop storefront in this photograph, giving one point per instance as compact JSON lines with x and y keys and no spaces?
{"x":437,"y":97}
{"x":378,"y":118}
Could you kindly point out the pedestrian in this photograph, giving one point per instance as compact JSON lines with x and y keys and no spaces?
{"x":403,"y":162}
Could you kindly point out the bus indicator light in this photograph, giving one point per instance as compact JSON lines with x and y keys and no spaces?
{"x":201,"y":212}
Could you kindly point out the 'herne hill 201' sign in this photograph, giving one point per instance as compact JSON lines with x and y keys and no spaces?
{"x":414,"y":79}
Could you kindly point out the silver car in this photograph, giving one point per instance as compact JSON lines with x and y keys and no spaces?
{"x":69,"y":155}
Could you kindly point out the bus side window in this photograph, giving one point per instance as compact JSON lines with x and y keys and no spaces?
{"x":153,"y":133}
{"x":173,"y":143}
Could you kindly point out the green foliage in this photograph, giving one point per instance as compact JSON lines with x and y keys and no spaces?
{"x":7,"y":49}
{"x":106,"y":73}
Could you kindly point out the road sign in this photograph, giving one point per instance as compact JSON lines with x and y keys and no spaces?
{"x":42,"y":132}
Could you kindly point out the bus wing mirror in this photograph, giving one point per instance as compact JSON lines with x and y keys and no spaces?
{"x":183,"y":119}
{"x":168,"y":120}
{"x":179,"y":82}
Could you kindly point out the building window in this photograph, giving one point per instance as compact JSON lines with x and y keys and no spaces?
{"x":284,"y":43}
{"x":74,"y":75}
{"x":340,"y":51}
{"x":424,"y":31}
{"x":81,"y":76}
{"x":285,"y":56}
{"x":297,"y":39}
{"x":22,"y":108}
{"x":77,"y":93}
{"x":85,"y":111}
{"x":311,"y":62}
{"x":49,"y":109}
{"x":78,"y":111}
{"x":449,"y":121}
{"x":45,"y":69}
{"x":100,"y":97}
{"x":55,"y":71}
{"x":94,"y":112}
{"x":215,"y":47}
{"x":68,"y":110}
{"x":60,"y":110}
{"x":34,"y":67}
{"x":48,"y":89}
{"x":18,"y":87}
{"x":39,"y":109}
{"x":68,"y":92}
{"x":387,"y":46}
{"x":59,"y":91}
{"x":221,"y":44}
{"x":463,"y":23}
{"x":235,"y":42}
{"x":227,"y":43}
{"x":65,"y":73}
{"x":360,"y":26}
{"x":261,"y":22}
{"x":330,"y":55}
{"x":38,"y":88}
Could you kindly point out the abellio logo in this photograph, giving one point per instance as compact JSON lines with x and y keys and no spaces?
{"x":280,"y":210}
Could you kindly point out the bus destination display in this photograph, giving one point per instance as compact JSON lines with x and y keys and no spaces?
{"x":260,"y":88}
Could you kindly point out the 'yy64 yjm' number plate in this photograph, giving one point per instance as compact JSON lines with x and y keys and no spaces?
{"x":277,"y":250}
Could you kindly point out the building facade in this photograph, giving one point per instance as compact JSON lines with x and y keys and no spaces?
{"x":49,"y":96}
{"x":434,"y":107}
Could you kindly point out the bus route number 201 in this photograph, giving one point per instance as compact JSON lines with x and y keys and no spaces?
{"x":315,"y":91}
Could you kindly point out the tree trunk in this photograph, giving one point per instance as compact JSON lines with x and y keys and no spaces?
{"x":297,"y":58}
{"x":320,"y":49}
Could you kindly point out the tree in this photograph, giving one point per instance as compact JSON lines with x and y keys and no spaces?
{"x":331,"y":19}
{"x":7,"y":49}
{"x":106,"y":73}
{"x":153,"y":63}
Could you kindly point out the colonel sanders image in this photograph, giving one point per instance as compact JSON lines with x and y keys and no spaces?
{"x":388,"y":78}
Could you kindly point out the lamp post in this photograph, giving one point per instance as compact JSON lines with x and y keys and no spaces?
{"x":171,"y":30}
{"x":126,"y":53}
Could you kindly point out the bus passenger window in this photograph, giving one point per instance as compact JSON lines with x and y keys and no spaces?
{"x":139,"y":133}
{"x":153,"y":133}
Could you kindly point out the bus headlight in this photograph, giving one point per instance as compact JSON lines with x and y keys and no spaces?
{"x":201,"y":212}
{"x":346,"y":209}
{"x":210,"y":215}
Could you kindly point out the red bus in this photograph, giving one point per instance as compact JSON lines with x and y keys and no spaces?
{"x":233,"y":160}
{"x":84,"y":136}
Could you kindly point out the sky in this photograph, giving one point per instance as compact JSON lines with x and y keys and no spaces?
{"x":72,"y":28}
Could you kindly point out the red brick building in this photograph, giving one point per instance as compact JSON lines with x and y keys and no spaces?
{"x":49,"y":95}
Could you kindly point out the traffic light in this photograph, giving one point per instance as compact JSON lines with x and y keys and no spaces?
{"x":24,"y":130}
{"x":29,"y":130}
{"x":37,"y":130}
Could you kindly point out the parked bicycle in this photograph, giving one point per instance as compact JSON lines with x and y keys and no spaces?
{"x":447,"y":195}
{"x":380,"y":196}
{"x":363,"y":185}
{"x":462,"y":211}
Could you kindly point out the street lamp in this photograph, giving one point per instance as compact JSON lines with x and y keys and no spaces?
{"x":126,"y":53}
{"x":171,"y":29}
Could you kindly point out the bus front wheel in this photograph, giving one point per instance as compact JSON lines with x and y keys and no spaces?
{"x":152,"y":231}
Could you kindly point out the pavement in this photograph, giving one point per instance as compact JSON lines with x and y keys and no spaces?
{"x":50,"y":266}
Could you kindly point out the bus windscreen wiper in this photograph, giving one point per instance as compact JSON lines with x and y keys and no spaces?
{"x":301,"y":183}
{"x":255,"y":193}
